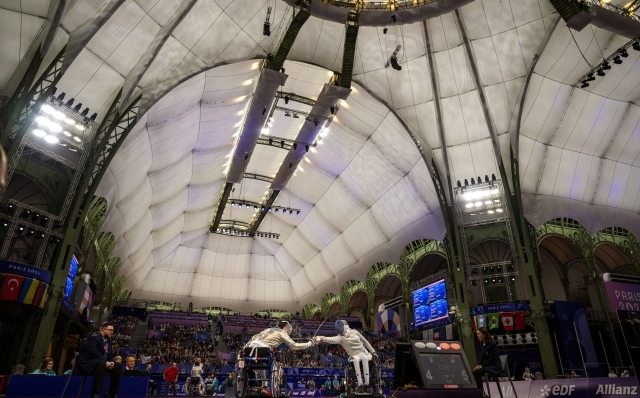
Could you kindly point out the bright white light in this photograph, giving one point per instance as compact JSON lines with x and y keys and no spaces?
{"x":499,"y":210}
{"x":55,"y":127}
{"x":247,"y":82}
{"x":487,"y":202}
{"x":42,"y":120}
{"x":265,"y":131}
{"x":495,"y":191}
{"x":271,"y":120}
{"x":69,"y":121}
{"x":497,"y":200}
{"x":240,"y":113}
{"x":47,"y":109}
{"x":39,"y":133}
{"x":270,"y":124}
{"x":469,"y":205}
{"x":51,"y":139}
{"x":59,"y":115}
{"x":68,"y":134}
{"x":314,"y":150}
{"x":255,"y":65}
{"x":490,"y":212}
{"x":75,"y":137}
{"x":319,"y":142}
{"x":300,"y":168}
{"x":478,"y":204}
{"x":79,"y":127}
{"x":307,"y":160}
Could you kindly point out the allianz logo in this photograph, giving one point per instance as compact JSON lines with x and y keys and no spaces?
{"x":612,"y":389}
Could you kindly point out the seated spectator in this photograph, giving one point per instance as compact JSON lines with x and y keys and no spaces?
{"x":46,"y":368}
{"x":153,"y":386}
{"x":70,"y":371}
{"x":211,"y":385}
{"x":118,"y":359}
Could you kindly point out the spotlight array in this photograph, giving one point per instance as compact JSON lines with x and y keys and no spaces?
{"x":481,"y":198}
{"x":601,"y":68}
{"x":241,"y":204}
{"x":517,"y":339}
{"x":245,"y":233}
{"x":57,"y":120}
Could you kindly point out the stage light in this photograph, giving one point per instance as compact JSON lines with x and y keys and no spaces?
{"x":466,"y":183}
{"x":269,"y":208}
{"x":11,"y":208}
{"x":287,"y":114}
{"x":20,"y":229}
{"x":35,"y":217}
{"x":333,"y":110}
{"x":39,"y":133}
{"x":499,"y":210}
{"x":295,"y":116}
{"x":47,"y":109}
{"x":459,"y":184}
{"x":59,"y":115}
{"x":295,"y":146}
{"x":78,"y":107}
{"x":486,"y":178}
{"x":385,"y":30}
{"x":469,"y":205}
{"x":79,"y":127}
{"x":68,"y":134}
{"x":487,"y":202}
{"x":477,"y":204}
{"x":617,"y":60}
{"x":473,"y":283}
{"x":30,"y":232}
{"x":264,"y":111}
{"x":290,"y":212}
{"x":276,"y":210}
{"x":270,"y":141}
{"x":25,"y":213}
{"x":393,"y":18}
{"x":490,"y":211}
{"x":264,"y":131}
{"x":590,"y":77}
{"x":606,"y":66}
{"x":473,"y":182}
{"x":600,"y":72}
{"x":262,"y":209}
{"x":233,"y":204}
{"x":266,"y":29}
{"x":584,"y":84}
{"x":93,"y":117}
{"x":306,"y":148}
{"x":636,"y":46}
{"x":298,"y":213}
{"x":51,"y":139}
{"x":286,"y":99}
{"x":255,"y":207}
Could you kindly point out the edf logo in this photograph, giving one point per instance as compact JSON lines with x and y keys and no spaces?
{"x":557,"y":390}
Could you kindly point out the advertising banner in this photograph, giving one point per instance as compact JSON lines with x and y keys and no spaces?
{"x":11,"y":267}
{"x":305,"y":393}
{"x":613,"y":387}
{"x":623,"y":296}
{"x":203,"y":336}
{"x":556,"y":388}
{"x":157,"y":334}
{"x":519,"y":389}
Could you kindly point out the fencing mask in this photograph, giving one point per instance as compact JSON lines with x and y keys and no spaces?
{"x":342,"y":328}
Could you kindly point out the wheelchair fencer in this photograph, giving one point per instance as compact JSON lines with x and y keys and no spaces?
{"x":195,"y":384}
{"x":360,"y":352}
{"x":257,"y":371}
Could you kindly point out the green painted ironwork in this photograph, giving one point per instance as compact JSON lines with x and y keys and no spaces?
{"x":92,"y":224}
{"x":300,"y":15}
{"x":328,"y":300}
{"x":310,"y":310}
{"x":350,"y":288}
{"x":104,"y":245}
{"x":349,"y":52}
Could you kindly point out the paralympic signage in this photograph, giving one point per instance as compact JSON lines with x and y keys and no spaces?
{"x":602,"y":387}
{"x":623,"y":296}
{"x":10,"y":267}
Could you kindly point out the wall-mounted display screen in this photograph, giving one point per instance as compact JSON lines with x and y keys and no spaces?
{"x":71,"y":276}
{"x":430,"y":303}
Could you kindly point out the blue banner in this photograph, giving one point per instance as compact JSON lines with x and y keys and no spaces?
{"x":203,"y":336}
{"x":11,"y":267}
{"x":501,"y":307}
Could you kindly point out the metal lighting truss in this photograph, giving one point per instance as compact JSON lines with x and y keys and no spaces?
{"x":480,"y":205}
{"x":389,"y":5}
{"x":74,"y":170}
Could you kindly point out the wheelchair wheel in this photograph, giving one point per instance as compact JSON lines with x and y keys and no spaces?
{"x":275,"y":379}
{"x":239,"y":385}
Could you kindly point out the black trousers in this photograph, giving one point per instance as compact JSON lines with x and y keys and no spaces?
{"x":153,"y":387}
{"x":477,"y":374}
{"x":98,"y":378}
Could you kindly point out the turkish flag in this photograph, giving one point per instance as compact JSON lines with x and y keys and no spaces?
{"x":11,"y":287}
{"x":507,"y":320}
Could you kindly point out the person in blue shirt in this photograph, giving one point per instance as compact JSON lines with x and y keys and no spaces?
{"x":46,"y":368}
{"x":489,"y":363}
{"x":70,"y":371}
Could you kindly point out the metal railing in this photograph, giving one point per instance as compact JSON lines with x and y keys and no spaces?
{"x":390,"y":5}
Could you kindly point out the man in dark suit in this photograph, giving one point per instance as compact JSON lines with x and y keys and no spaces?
{"x":96,"y":358}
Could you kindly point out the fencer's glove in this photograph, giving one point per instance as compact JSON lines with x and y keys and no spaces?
{"x":311,"y":343}
{"x":318,"y":340}
{"x":375,"y":355}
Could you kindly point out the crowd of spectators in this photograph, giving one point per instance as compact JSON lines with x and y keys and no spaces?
{"x":177,"y":344}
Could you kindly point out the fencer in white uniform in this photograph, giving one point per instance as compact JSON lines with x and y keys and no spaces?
{"x":357,"y":347}
{"x":272,"y":338}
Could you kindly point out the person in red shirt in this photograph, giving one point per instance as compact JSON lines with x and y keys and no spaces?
{"x":170,"y":375}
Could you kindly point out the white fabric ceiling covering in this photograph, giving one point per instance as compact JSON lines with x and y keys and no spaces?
{"x":365,"y":192}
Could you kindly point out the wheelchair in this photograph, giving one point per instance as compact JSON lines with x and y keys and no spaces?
{"x":375,"y":380}
{"x":255,"y":368}
{"x":192,"y":386}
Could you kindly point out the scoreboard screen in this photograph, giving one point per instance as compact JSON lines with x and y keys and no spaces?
{"x":430,"y":303}
{"x":442,"y":365}
{"x":444,"y":369}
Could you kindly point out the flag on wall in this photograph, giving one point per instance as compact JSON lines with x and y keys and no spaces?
{"x":507,"y":320}
{"x":475,"y":324}
{"x":11,"y":287}
{"x":436,"y":335}
{"x":28,"y":291}
{"x":518,"y":318}
{"x":449,"y":329}
{"x":482,"y":321}
{"x":493,"y":320}
{"x":39,"y":295}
